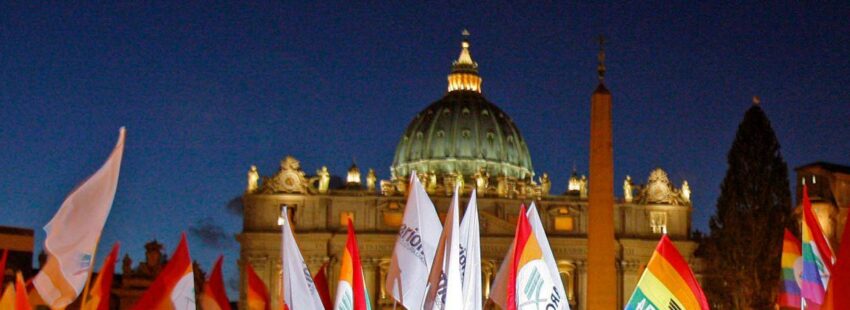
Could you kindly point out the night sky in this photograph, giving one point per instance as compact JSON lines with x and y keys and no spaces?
{"x":206,"y":90}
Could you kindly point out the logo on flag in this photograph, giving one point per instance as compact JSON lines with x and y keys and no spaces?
{"x":537,"y":290}
{"x":83,"y":263}
{"x":415,"y":248}
{"x":412,"y":241}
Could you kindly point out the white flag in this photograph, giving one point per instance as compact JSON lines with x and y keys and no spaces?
{"x":298,"y":290}
{"x":470,"y":256}
{"x":445,"y":282}
{"x":415,"y":247}
{"x":498,"y":292}
{"x":74,"y":231}
{"x":548,"y":257}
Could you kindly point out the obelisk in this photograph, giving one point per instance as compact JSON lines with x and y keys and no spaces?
{"x":601,"y":269}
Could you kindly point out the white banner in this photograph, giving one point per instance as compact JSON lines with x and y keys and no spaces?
{"x":299,"y":291}
{"x":74,"y":231}
{"x":470,"y":256}
{"x":444,"y":283}
{"x":415,"y":247}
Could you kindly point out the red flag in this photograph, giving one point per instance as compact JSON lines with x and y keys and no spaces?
{"x":837,"y":296}
{"x":214,"y":296}
{"x":523,"y":231}
{"x":99,"y":295}
{"x":22,"y":302}
{"x":258,"y":294}
{"x":174,"y":287}
{"x":321,"y":282}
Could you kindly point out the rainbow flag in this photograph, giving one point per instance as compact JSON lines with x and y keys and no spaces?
{"x":817,"y":257}
{"x":792,"y":265}
{"x":667,"y":282}
{"x":351,"y":290}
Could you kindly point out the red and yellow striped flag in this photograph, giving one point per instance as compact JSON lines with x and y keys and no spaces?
{"x":667,"y":282}
{"x":174,"y":287}
{"x":214,"y":296}
{"x":99,"y":295}
{"x":257,"y":293}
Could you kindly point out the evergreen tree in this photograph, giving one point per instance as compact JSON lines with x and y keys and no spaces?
{"x":742,"y":254}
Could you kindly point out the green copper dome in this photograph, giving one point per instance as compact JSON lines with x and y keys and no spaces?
{"x":463,"y":132}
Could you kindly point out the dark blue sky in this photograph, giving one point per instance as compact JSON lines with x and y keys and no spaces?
{"x":207,"y":89}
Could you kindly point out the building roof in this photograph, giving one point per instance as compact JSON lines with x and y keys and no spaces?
{"x":825,"y":165}
{"x":16,"y":231}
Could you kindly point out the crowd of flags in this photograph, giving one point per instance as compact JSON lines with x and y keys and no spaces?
{"x":813,"y":277}
{"x":434,"y":265}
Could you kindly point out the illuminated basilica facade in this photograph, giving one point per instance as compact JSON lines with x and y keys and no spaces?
{"x":461,"y":139}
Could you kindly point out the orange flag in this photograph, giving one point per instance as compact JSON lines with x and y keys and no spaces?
{"x":7,"y":297}
{"x":21,"y":300}
{"x":321,"y":282}
{"x":258,"y":294}
{"x":214,"y":296}
{"x":174,"y":287}
{"x":838,"y":290}
{"x":99,"y":295}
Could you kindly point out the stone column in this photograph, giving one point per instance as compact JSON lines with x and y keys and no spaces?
{"x":581,"y":282}
{"x":601,"y":254}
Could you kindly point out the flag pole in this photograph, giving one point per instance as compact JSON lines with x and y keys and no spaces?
{"x":91,"y":270}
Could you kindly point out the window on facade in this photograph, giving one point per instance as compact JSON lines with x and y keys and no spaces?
{"x":563,"y":220}
{"x":344,"y":216}
{"x":290,"y":213}
{"x":564,"y":223}
{"x":658,"y":222}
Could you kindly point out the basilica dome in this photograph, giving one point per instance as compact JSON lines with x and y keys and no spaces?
{"x":463,"y":133}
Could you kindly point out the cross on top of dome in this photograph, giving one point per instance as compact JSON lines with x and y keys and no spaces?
{"x":464,"y":74}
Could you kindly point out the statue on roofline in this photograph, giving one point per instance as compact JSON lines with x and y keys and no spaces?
{"x":370,"y":180}
{"x":545,"y":184}
{"x":253,"y":177}
{"x":324,"y":179}
{"x":627,"y":189}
